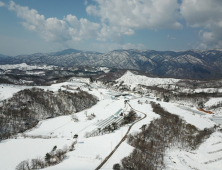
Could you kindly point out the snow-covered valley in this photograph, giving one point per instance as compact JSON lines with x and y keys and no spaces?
{"x":91,"y":147}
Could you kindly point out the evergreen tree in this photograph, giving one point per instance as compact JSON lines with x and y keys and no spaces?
{"x":47,"y":157}
{"x":54,"y":148}
{"x":116,"y":167}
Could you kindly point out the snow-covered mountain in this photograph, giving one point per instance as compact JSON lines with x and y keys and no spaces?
{"x":186,"y":64}
{"x":51,"y":136}
{"x":132,"y":79}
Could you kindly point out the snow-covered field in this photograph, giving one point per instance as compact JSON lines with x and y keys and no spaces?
{"x":24,"y":66}
{"x":89,"y":152}
{"x":13,"y":151}
{"x":207,"y":156}
{"x":35,"y":73}
{"x":213,"y":102}
{"x":7,"y":90}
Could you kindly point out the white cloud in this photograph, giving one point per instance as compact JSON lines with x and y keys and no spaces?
{"x":70,"y":28}
{"x":123,"y":17}
{"x":202,"y":46}
{"x":83,"y":27}
{"x":105,"y":47}
{"x":111,"y":33}
{"x":142,"y":14}
{"x":54,"y":29}
{"x":172,"y":38}
{"x":201,"y":12}
{"x":208,"y":16}
{"x":132,"y":46}
{"x":2,"y":3}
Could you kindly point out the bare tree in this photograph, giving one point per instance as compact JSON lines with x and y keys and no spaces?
{"x":75,"y":118}
{"x":24,"y":165}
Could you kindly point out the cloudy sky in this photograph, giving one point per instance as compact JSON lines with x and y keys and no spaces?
{"x":28,"y":27}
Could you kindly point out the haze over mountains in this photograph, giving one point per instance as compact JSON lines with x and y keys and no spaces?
{"x":193,"y":64}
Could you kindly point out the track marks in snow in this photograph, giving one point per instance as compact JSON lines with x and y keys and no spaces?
{"x":207,"y":156}
{"x":212,"y":161}
{"x":215,"y":151}
{"x":185,"y":162}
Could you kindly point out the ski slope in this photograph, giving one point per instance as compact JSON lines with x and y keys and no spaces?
{"x":133,"y":80}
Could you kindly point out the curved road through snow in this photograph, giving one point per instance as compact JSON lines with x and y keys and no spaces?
{"x":123,"y":139}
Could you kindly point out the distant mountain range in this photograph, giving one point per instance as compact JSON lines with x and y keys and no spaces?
{"x":193,"y":64}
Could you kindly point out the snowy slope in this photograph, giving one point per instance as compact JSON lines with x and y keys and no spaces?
{"x":89,"y":152}
{"x":213,"y":102}
{"x":132,"y":79}
{"x":200,"y":121}
{"x":207,"y":156}
{"x":214,"y":105}
{"x":13,"y":151}
{"x":7,"y":91}
{"x":24,"y":66}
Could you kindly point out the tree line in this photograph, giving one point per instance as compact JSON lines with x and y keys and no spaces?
{"x":168,"y":131}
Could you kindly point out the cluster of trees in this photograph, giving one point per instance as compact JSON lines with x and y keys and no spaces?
{"x":52,"y":158}
{"x":129,"y":118}
{"x":75,"y":118}
{"x":165,"y":132}
{"x":24,"y":110}
{"x":113,"y":85}
{"x":110,"y":128}
{"x":173,"y":95}
{"x":91,"y":116}
{"x":100,"y":131}
{"x":211,"y":83}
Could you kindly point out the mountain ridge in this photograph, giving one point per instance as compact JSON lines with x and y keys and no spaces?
{"x":199,"y":64}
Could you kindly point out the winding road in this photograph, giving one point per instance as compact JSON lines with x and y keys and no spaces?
{"x":123,"y":139}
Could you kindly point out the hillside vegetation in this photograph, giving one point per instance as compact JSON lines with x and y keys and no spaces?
{"x":184,"y":64}
{"x":24,"y":110}
{"x":168,"y":131}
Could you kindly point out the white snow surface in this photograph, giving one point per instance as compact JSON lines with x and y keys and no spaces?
{"x":132,"y":79}
{"x":35,"y":72}
{"x":208,"y":90}
{"x":200,"y":121}
{"x":89,"y":152}
{"x":7,"y":90}
{"x":105,"y":69}
{"x":13,"y":151}
{"x":24,"y":66}
{"x":207,"y":156}
{"x":213,"y":101}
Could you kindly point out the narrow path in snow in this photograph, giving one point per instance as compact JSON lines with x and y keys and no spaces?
{"x":123,"y":139}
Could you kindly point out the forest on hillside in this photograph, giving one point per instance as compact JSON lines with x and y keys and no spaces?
{"x":162,"y":134}
{"x":27,"y":107}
